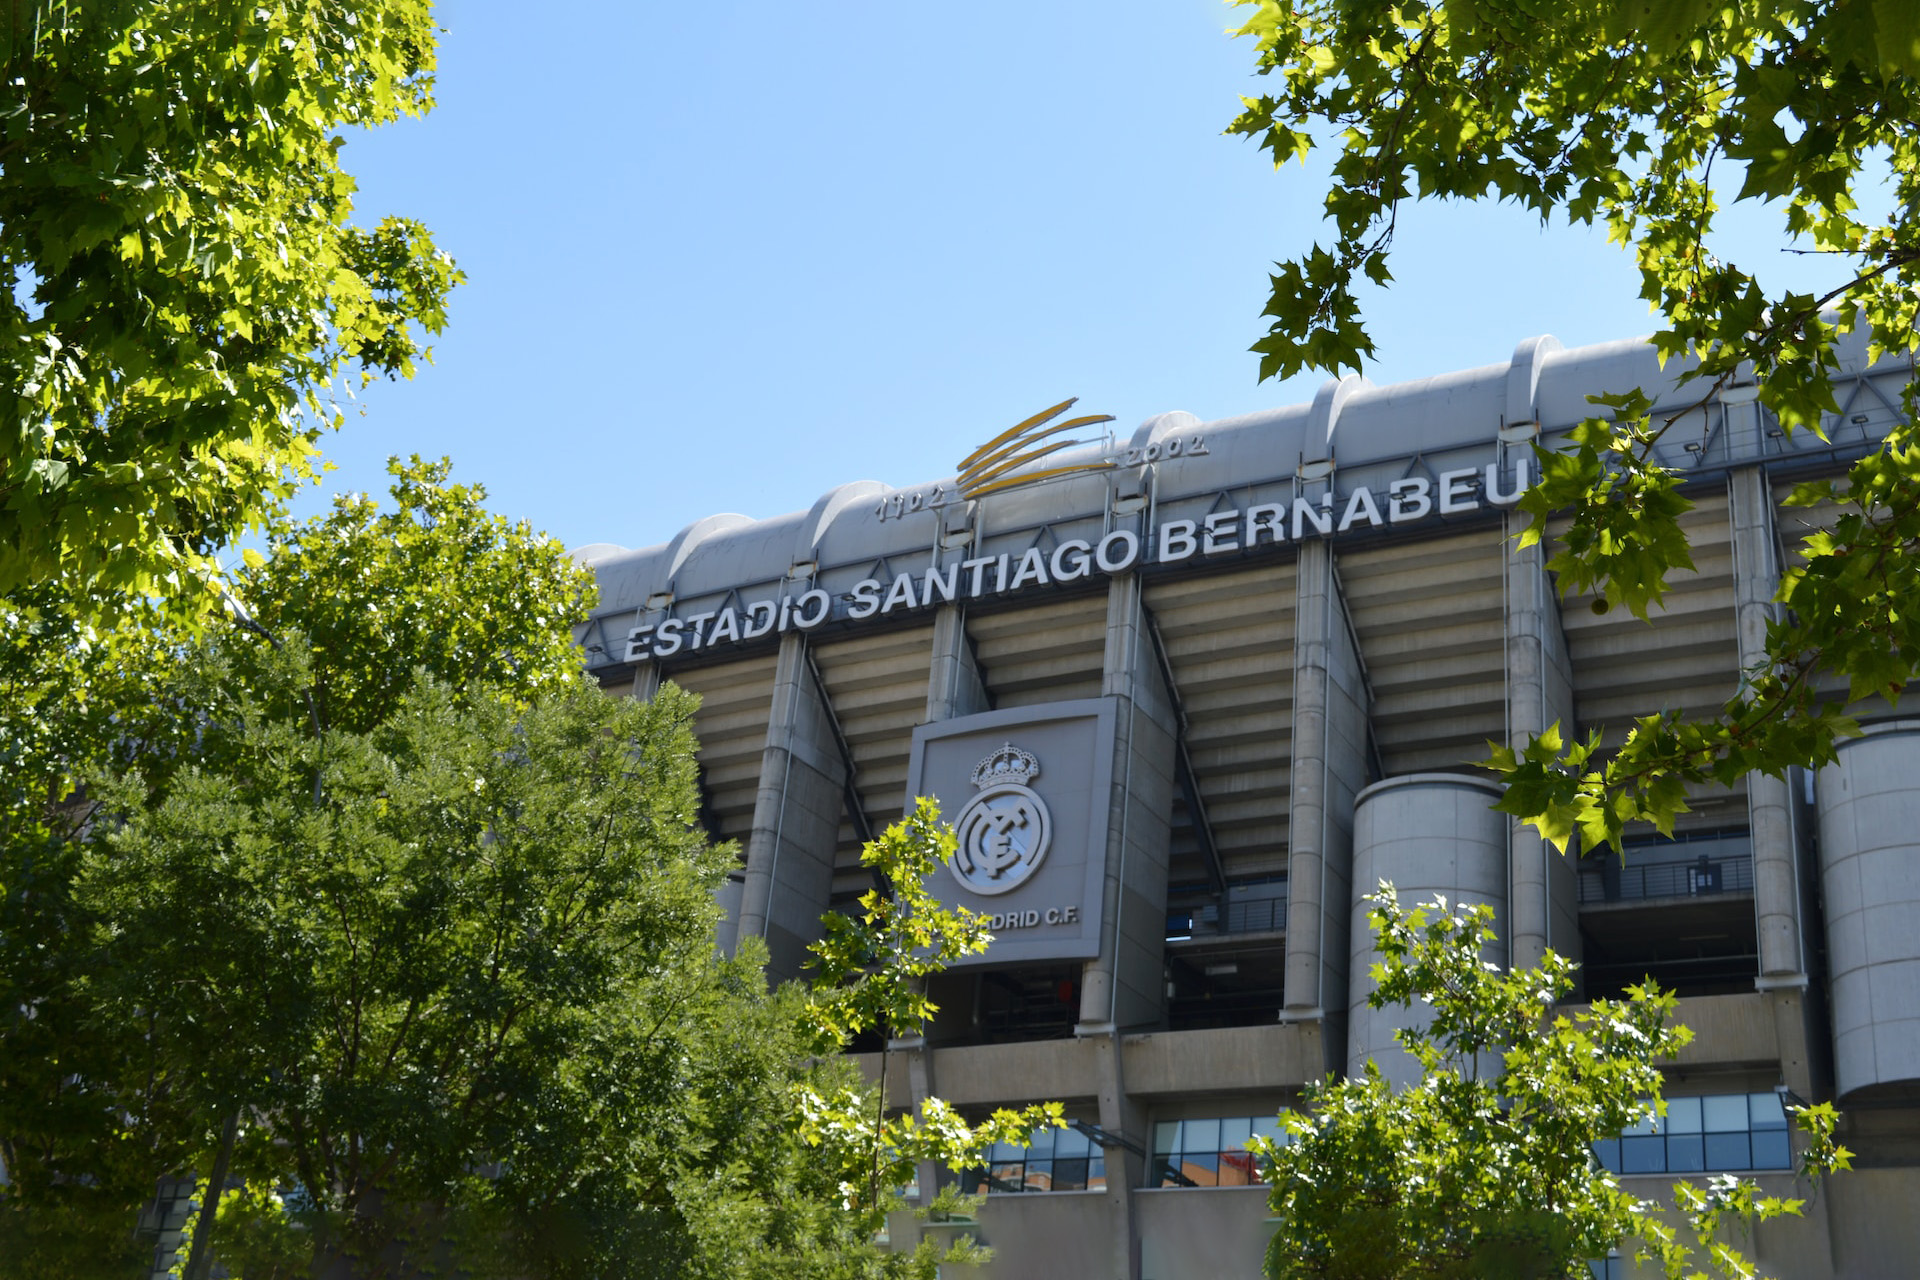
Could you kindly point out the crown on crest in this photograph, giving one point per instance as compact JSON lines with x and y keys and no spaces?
{"x":1007,"y":765}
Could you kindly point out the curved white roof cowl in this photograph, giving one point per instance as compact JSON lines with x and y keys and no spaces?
{"x":1176,"y":467}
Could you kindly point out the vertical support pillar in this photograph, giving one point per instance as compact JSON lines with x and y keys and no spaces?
{"x":1121,"y":1114}
{"x":1542,"y":885}
{"x":1124,"y":986}
{"x":796,"y":818}
{"x":1330,"y":708}
{"x":646,"y":681}
{"x":1756,"y":577}
{"x":920,"y":1087}
{"x":1428,"y":833}
{"x":954,"y":688}
{"x":1778,"y":927}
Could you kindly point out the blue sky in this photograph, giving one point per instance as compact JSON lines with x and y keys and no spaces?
{"x":723,"y":258}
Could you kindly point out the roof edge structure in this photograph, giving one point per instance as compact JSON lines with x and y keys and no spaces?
{"x":1373,"y":458}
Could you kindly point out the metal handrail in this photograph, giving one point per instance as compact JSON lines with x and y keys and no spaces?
{"x":1259,"y":915}
{"x":1606,"y":880}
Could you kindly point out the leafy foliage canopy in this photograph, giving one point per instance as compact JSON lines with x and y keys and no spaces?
{"x":1485,"y":1166}
{"x":184,"y":290}
{"x":1620,"y":112}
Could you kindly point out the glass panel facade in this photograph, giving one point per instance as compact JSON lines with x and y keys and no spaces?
{"x":1209,"y":1153}
{"x":1055,"y":1160}
{"x":1718,"y":1133}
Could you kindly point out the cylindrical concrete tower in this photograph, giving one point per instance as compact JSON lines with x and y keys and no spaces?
{"x":1429,"y":833}
{"x":1870,"y":862}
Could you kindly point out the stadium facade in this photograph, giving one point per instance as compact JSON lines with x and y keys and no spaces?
{"x":1186,"y":708}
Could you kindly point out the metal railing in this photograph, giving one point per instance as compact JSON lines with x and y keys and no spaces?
{"x":1256,"y":915}
{"x":1605,"y":879}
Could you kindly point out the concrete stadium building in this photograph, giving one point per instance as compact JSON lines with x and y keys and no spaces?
{"x":1189,"y":693}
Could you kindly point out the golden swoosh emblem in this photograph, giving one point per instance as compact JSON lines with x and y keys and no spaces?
{"x":985,"y":469}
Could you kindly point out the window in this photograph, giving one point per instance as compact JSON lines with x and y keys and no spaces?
{"x":1055,"y":1160}
{"x":1717,"y":1133}
{"x":1208,"y":1153}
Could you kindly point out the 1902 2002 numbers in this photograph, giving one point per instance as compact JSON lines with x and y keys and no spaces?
{"x":1173,"y":447}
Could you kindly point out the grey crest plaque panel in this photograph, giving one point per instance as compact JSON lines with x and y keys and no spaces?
{"x":1028,"y":791}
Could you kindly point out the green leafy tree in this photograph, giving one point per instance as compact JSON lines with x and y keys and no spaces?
{"x":94,"y":688}
{"x":185,"y":294}
{"x":75,"y":696}
{"x":454,"y":973}
{"x":872,"y":977}
{"x":1485,"y":1166}
{"x":435,"y":581}
{"x":1619,"y":112}
{"x":371,"y":910}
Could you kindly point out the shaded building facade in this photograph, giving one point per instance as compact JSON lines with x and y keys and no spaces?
{"x":1188,"y":704}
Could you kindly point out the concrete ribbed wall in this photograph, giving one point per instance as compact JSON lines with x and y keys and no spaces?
{"x":1870,"y":863}
{"x":1429,"y":833}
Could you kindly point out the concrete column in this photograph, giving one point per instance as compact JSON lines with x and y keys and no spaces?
{"x":1329,"y":769}
{"x":1428,"y":833}
{"x":954,"y":688}
{"x":1870,"y":863}
{"x":1543,"y":889}
{"x":920,"y":1086}
{"x":646,"y":681}
{"x":1756,"y":576}
{"x":1124,"y":1115}
{"x":1124,"y":986}
{"x":796,"y":818}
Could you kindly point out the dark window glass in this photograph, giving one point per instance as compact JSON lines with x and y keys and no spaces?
{"x":1200,"y":1135}
{"x":1643,"y":1155}
{"x":1727,"y":1151}
{"x":1725,"y":1113}
{"x":1741,"y":1131}
{"x":1764,"y":1111}
{"x":1207,"y":1153}
{"x":1684,"y":1154}
{"x":1056,"y":1160}
{"x":1770,"y":1150}
{"x":1202,"y":1169}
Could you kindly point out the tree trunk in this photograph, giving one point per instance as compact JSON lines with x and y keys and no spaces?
{"x":200,"y":1261}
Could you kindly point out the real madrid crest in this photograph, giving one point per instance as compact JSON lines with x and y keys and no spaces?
{"x":1004,"y":831}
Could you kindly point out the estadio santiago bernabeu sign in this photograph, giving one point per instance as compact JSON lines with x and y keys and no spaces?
{"x":1027,"y":791}
{"x":1403,"y":502}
